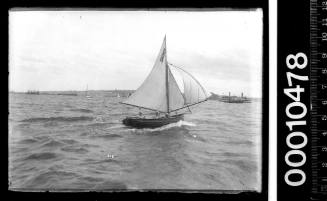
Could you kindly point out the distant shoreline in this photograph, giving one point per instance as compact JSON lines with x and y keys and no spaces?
{"x":68,"y":92}
{"x":112,"y":90}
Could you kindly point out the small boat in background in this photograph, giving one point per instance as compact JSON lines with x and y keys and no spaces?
{"x":86,"y":93}
{"x":33,"y":92}
{"x":161,"y":94}
{"x":234,"y":99}
{"x":117,"y":93}
{"x":67,"y":94}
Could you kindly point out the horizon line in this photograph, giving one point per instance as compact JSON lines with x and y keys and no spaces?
{"x":215,"y":93}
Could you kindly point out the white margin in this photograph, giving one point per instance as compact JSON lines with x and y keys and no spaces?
{"x":272,"y":171}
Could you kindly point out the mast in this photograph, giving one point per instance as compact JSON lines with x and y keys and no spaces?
{"x":167,"y":84}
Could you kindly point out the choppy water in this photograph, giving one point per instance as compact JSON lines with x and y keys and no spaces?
{"x":70,"y":142}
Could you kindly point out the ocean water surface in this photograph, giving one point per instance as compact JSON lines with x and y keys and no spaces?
{"x":74,"y":143}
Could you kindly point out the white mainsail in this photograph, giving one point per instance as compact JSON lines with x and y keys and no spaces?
{"x":192,"y":89}
{"x":160,"y":91}
{"x":86,"y":92}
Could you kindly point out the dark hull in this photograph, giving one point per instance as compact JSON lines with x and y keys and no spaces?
{"x":138,"y":122}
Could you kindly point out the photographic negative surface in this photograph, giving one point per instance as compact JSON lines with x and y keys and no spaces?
{"x":135,"y":100}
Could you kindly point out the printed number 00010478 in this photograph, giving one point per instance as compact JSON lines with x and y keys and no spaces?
{"x":295,"y":120}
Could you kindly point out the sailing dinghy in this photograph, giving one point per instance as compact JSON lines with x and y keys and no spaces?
{"x":161,"y":94}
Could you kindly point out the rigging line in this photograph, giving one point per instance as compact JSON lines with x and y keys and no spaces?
{"x":189,"y":109}
{"x":189,"y":105}
{"x":164,"y":59}
{"x":167,"y":83}
{"x":190,"y":91}
{"x":204,"y":91}
{"x":198,"y":94}
{"x":142,"y":107}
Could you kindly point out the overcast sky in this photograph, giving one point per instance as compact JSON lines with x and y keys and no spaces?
{"x":67,"y":50}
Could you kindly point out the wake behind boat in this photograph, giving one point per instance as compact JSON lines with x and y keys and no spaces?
{"x":161,"y":93}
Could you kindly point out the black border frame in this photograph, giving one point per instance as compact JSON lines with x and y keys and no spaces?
{"x":135,"y":5}
{"x":294,"y":34}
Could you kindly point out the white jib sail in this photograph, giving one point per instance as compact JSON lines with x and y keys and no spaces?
{"x":152,"y":93}
{"x":176,"y":99}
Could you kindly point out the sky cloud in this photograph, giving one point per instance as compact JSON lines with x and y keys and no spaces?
{"x":67,"y":50}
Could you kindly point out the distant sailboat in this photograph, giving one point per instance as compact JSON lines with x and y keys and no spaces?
{"x":161,"y":93}
{"x":33,"y":92}
{"x":86,"y":93}
{"x":234,"y":99}
{"x":117,"y":93}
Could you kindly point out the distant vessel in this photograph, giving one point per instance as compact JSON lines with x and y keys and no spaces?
{"x":86,"y":93}
{"x":33,"y":92}
{"x":234,"y":99}
{"x":117,"y":93}
{"x":67,"y":94}
{"x":161,"y":94}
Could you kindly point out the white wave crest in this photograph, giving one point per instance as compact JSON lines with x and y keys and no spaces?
{"x":116,"y":127}
{"x":103,"y":120}
{"x":186,"y":123}
{"x":99,"y":119}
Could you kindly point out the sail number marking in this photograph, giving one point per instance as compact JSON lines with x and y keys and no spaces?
{"x":295,"y":112}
